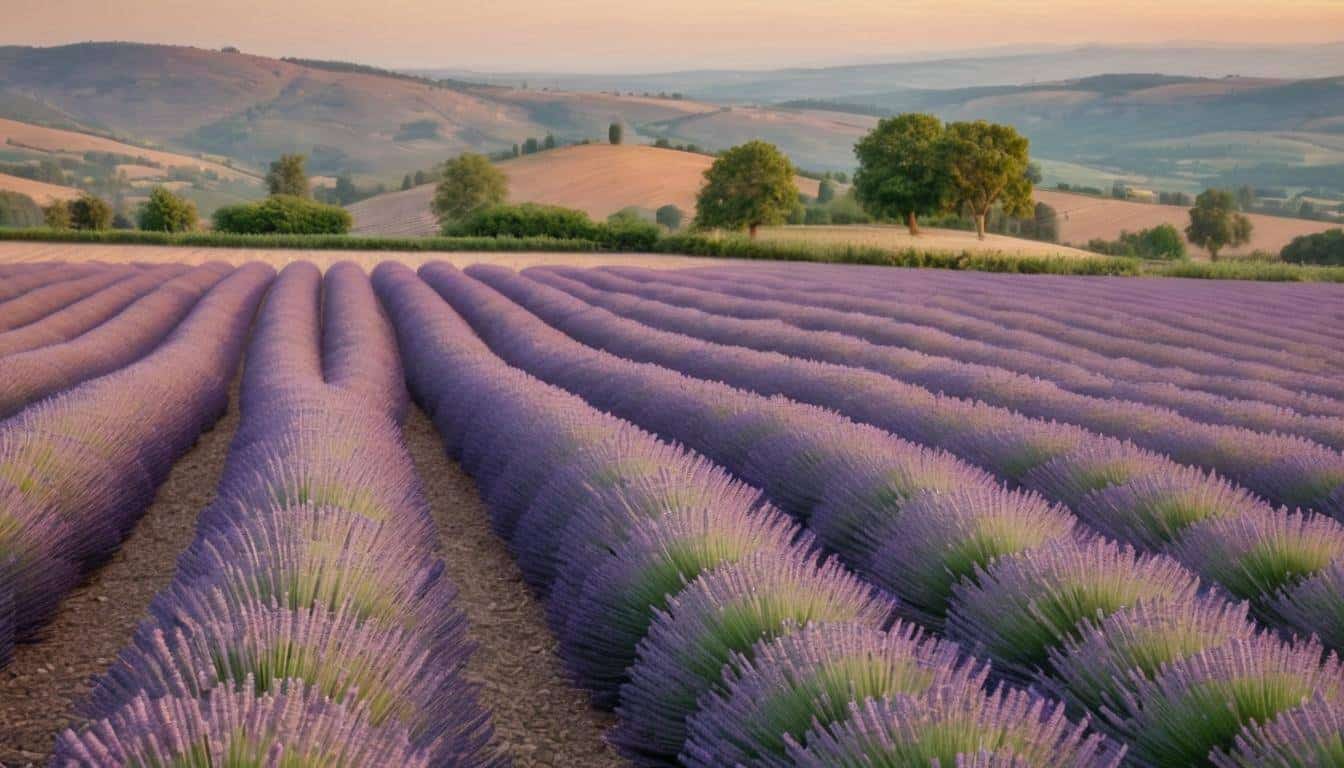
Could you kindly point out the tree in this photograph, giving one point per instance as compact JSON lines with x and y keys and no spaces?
{"x":19,"y":210}
{"x":549,"y":143}
{"x":407,"y":182}
{"x":57,"y":215}
{"x":901,"y":172}
{"x":615,"y":133}
{"x":346,"y":191}
{"x":987,"y":165}
{"x":670,"y":216}
{"x":531,"y":147}
{"x":1215,"y":223}
{"x":469,"y":182}
{"x":167,"y":212}
{"x":747,"y":186}
{"x":825,"y":191}
{"x":1034,"y":174}
{"x":1047,"y":223}
{"x":289,"y":176}
{"x":91,"y":213}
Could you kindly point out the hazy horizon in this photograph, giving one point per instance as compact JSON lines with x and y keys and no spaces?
{"x":604,"y":36}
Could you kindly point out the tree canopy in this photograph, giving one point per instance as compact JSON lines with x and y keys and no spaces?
{"x":988,"y":164}
{"x":90,"y":212}
{"x":901,"y":169}
{"x":469,"y":183}
{"x":167,"y":212}
{"x":19,"y":210}
{"x":748,"y":186}
{"x":1215,"y":223}
{"x":289,"y":176}
{"x":670,"y":216}
{"x":615,"y":133}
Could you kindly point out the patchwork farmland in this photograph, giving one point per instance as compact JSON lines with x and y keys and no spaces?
{"x":574,"y":510}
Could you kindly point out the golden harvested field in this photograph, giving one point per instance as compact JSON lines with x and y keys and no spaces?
{"x":14,"y":252}
{"x":899,"y":238}
{"x":57,"y":141}
{"x":1082,"y":218}
{"x":599,"y":179}
{"x":41,"y":192}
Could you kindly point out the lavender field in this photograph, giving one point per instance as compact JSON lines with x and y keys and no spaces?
{"x":765,"y":515}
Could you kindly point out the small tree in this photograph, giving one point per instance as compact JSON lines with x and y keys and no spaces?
{"x":987,"y":165}
{"x":469,"y":182}
{"x":1046,"y":223}
{"x":57,"y":215}
{"x":289,"y":176}
{"x":747,"y":186}
{"x":91,"y":213}
{"x":531,"y":147}
{"x":1215,"y":223}
{"x":615,"y":133}
{"x":670,"y":216}
{"x":901,"y":172}
{"x":549,"y":143}
{"x":167,"y":212}
{"x":407,"y":182}
{"x":825,"y":191}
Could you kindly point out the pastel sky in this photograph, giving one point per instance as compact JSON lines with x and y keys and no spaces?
{"x":641,"y":35}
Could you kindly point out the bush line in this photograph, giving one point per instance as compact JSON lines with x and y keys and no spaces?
{"x":716,"y":247}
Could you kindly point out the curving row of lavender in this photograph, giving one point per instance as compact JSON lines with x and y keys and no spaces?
{"x":115,"y":342}
{"x":310,"y":621}
{"x":1255,"y":551}
{"x":86,"y":313}
{"x":1104,"y":405}
{"x":1166,"y":664}
{"x":701,"y":614}
{"x":972,"y":340}
{"x":77,"y":470}
{"x":22,"y":278}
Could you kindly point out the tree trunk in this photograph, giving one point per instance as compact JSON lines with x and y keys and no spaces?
{"x":751,"y":230}
{"x":980,"y":225}
{"x":912,"y":221}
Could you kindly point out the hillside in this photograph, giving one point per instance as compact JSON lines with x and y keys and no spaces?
{"x":17,"y":136}
{"x":1082,"y":218}
{"x":42,"y":193}
{"x":597,"y":178}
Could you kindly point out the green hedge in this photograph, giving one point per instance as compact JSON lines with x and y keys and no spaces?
{"x":1323,"y":248}
{"x":531,"y":220}
{"x":717,"y":247}
{"x":285,"y":215}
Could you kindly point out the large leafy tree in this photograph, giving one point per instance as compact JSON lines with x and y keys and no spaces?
{"x":469,"y":183}
{"x":289,"y":176}
{"x":748,"y":186}
{"x":167,"y":212}
{"x":90,"y":212}
{"x":1215,"y":223}
{"x":987,"y":164}
{"x":901,"y":170}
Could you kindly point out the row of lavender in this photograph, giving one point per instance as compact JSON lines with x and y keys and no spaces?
{"x":310,"y":622}
{"x":1166,"y":664}
{"x":965,"y":338}
{"x":77,"y":470}
{"x":86,"y":312}
{"x":1287,"y":563}
{"x":97,"y":341}
{"x":1136,"y":411}
{"x":703,"y":615}
{"x":1037,"y":323}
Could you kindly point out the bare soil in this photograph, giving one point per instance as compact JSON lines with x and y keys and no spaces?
{"x":540,"y":719}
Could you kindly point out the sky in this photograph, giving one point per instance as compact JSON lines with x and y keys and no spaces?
{"x":642,"y":36}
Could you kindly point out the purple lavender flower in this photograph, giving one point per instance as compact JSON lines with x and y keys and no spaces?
{"x":1309,"y":735}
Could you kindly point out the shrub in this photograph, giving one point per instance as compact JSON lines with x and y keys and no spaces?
{"x":1161,"y":242}
{"x":1322,"y":248}
{"x":57,"y":215}
{"x":167,"y":212}
{"x":90,"y":213}
{"x":283,"y":214}
{"x":623,"y":232}
{"x":670,"y":216}
{"x":18,"y":210}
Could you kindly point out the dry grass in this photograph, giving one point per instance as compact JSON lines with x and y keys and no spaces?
{"x":13,"y":251}
{"x":898,"y":238}
{"x":599,"y":179}
{"x":71,"y":142}
{"x":1082,"y":218}
{"x":42,"y":193}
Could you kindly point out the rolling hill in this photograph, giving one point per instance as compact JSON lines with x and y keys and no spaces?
{"x":599,"y":179}
{"x":42,"y":140}
{"x":1082,"y":218}
{"x":42,"y":193}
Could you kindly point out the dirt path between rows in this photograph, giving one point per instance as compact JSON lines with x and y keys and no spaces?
{"x":45,"y":680}
{"x":540,"y":719}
